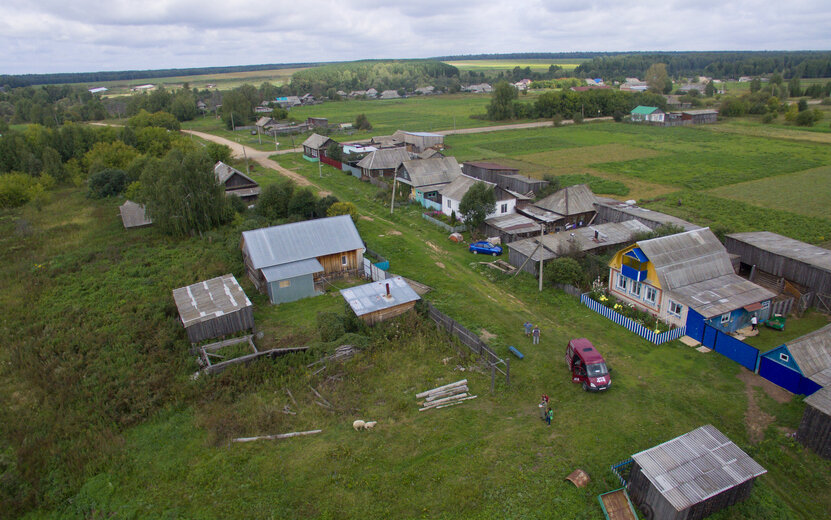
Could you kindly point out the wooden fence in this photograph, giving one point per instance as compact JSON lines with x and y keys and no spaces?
{"x":446,"y":227}
{"x":473,"y":342}
{"x":628,"y":323}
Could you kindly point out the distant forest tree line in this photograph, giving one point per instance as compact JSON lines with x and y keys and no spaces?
{"x":799,"y":64}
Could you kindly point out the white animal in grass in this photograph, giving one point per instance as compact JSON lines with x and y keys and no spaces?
{"x":364,"y":425}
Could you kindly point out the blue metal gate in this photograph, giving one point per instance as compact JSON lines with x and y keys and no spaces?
{"x":783,"y":376}
{"x":709,"y":337}
{"x":738,"y":351}
{"x":695,"y":325}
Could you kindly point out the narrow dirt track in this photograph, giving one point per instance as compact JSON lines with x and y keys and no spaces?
{"x":259,"y":157}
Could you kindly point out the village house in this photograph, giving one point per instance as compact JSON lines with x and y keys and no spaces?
{"x":452,"y":194}
{"x":479,"y":88}
{"x":417,"y":142}
{"x":287,"y":101}
{"x":389,"y":94}
{"x":295,"y":261}
{"x":564,"y":209}
{"x":801,"y":365}
{"x":644,"y":114}
{"x":371,"y":93}
{"x":426,"y":91}
{"x":315,"y":146}
{"x":687,"y":279}
{"x":426,"y":177}
{"x":98,"y":90}
{"x":505,"y":177}
{"x":213,"y":308}
{"x":383,"y":163}
{"x":380,"y":301}
{"x":592,"y":239}
{"x":236,"y":183}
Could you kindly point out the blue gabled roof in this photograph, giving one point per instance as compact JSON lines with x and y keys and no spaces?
{"x":637,"y":254}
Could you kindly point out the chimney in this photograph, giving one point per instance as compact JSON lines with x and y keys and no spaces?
{"x":388,"y":290}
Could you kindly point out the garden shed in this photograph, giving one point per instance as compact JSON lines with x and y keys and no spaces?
{"x":214,"y":308}
{"x":804,"y":264}
{"x":802,"y":365}
{"x":503,"y":176}
{"x":296,"y":260}
{"x":691,"y":476}
{"x":379,"y":301}
{"x":815,"y":429}
{"x":133,"y":215}
{"x":417,"y":142}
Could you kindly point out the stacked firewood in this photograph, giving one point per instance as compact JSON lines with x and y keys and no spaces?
{"x":444,"y":396}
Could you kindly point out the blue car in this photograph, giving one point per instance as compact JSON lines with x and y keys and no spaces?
{"x":484,"y":247}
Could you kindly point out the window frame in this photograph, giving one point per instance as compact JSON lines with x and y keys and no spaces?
{"x":677,"y":305}
{"x":621,"y":283}
{"x":726,"y":321}
{"x":282,"y":284}
{"x":784,"y":357}
{"x":639,"y":287}
{"x":654,"y":294}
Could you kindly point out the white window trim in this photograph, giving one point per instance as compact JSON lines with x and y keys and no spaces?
{"x":344,"y":261}
{"x":766,"y":304}
{"x":727,"y":320}
{"x":784,"y":357}
{"x":654,"y":292}
{"x":637,"y":294}
{"x":675,"y":304}
{"x":621,"y":283}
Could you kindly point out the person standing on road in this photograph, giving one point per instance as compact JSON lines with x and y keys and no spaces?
{"x":536,"y":334}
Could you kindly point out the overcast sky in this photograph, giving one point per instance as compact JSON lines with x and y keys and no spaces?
{"x":40,"y":36}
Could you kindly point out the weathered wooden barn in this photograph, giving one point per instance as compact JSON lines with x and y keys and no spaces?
{"x":426,"y":177}
{"x":214,"y":308}
{"x":807,"y":268}
{"x":503,"y":176}
{"x":701,"y":116}
{"x":236,"y":183}
{"x":815,"y":429}
{"x":379,"y":301}
{"x":802,"y":365}
{"x":133,"y":215}
{"x":382,"y":163}
{"x":295,"y":261}
{"x":315,"y":145}
{"x":417,"y":142}
{"x":564,"y":209}
{"x":512,"y":227}
{"x":594,"y":239}
{"x":691,"y":476}
{"x":611,"y":210}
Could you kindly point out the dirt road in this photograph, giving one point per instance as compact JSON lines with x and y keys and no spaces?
{"x":259,"y":157}
{"x":517,"y":126}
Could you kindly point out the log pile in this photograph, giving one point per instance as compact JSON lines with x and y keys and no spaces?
{"x":342,"y":353}
{"x":444,"y":396}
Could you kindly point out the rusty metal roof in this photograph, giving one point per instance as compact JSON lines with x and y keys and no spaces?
{"x":695,"y":466}
{"x":210,"y":299}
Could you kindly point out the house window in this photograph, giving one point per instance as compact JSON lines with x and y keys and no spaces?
{"x":725,"y":318}
{"x":784,"y":357}
{"x":766,"y":304}
{"x":285,"y":283}
{"x":448,"y":203}
{"x":621,"y":282}
{"x":504,"y":208}
{"x":343,"y":261}
{"x":636,"y":289}
{"x":675,"y":308}
{"x":651,"y":294}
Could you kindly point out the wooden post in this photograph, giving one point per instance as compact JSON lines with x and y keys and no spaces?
{"x":507,"y":371}
{"x":493,"y":376}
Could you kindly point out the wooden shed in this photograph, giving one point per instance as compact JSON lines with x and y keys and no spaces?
{"x":379,"y":301}
{"x":236,"y":183}
{"x":611,"y":210}
{"x":505,"y":177}
{"x":691,"y":476}
{"x":802,"y":365}
{"x":815,"y":429}
{"x":805,"y":264}
{"x":214,"y":308}
{"x":133,"y":215}
{"x":571,"y":207}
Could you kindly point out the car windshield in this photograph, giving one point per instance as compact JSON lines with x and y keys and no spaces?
{"x":596,"y":370}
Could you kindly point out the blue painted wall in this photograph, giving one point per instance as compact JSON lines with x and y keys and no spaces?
{"x":301,"y":287}
{"x":786,"y":374}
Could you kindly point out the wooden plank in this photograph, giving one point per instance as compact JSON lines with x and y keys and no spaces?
{"x":276,"y":436}
{"x":219,"y":367}
{"x":457,"y":401}
{"x":210,"y":347}
{"x":440,"y":388}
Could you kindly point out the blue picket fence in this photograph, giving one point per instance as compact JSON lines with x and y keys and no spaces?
{"x":630,"y":324}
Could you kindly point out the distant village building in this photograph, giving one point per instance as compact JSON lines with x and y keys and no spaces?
{"x":380,"y":301}
{"x":142,"y":88}
{"x":98,"y":90}
{"x":236,"y":183}
{"x":389,"y":94}
{"x":699,"y":117}
{"x":371,"y":93}
{"x":315,"y":146}
{"x":295,"y":261}
{"x":644,"y":114}
{"x":133,"y":215}
{"x":288,"y":101}
{"x":213,"y":308}
{"x":426,"y":91}
{"x":479,"y":88}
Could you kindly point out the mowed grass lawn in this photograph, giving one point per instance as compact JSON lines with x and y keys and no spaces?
{"x":490,"y":457}
{"x":500,"y":65}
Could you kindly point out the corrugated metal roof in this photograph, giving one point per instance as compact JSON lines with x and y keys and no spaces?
{"x":279,"y":245}
{"x":720,"y":295}
{"x":555,"y":244}
{"x":787,"y":247}
{"x":571,"y":200}
{"x":647,"y":214}
{"x":212,"y":298}
{"x":695,"y":466}
{"x":514,"y":223}
{"x":133,"y":215}
{"x":485,"y":165}
{"x":459,"y":186}
{"x":644,"y":110}
{"x":430,"y":172}
{"x":821,"y":400}
{"x":316,"y":141}
{"x":372,"y":297}
{"x":223,"y":172}
{"x":539,"y":214}
{"x":812,"y":352}
{"x":292,"y":269}
{"x":384,"y":159}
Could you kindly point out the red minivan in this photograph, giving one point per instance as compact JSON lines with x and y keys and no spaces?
{"x":587,"y":366}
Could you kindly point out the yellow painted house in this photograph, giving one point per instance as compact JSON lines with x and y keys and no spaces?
{"x":673,"y":275}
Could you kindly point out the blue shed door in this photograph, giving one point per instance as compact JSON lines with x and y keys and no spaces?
{"x":695,"y":325}
{"x":709,"y":337}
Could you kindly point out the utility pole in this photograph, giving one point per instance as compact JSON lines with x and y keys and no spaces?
{"x":233,"y":126}
{"x":542,"y":229}
{"x":276,"y":144}
{"x":247,"y":171}
{"x":392,"y":199}
{"x":319,"y":167}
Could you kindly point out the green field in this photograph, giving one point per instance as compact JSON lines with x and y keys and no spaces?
{"x":501,"y":65}
{"x":100,"y":303}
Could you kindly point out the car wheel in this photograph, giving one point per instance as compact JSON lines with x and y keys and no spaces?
{"x":494,"y":254}
{"x":585,"y":387}
{"x":475,"y":252}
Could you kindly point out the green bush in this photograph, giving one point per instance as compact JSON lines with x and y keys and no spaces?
{"x":107,"y":183}
{"x":566,"y":271}
{"x":330,"y":326}
{"x":15,"y":189}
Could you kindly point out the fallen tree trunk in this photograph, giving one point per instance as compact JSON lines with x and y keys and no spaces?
{"x":277,"y":436}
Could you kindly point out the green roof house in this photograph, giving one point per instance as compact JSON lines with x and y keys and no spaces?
{"x":642,"y":114}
